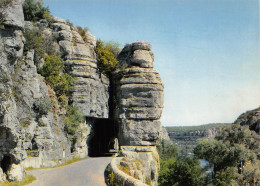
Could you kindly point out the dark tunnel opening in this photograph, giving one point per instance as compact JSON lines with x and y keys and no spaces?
{"x":6,"y":163}
{"x":101,"y":138}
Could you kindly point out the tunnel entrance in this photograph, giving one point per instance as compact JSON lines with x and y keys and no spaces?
{"x":101,"y":137}
{"x":6,"y":163}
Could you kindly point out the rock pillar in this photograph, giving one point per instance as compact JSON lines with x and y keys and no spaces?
{"x":139,"y":108}
{"x":140,"y":97}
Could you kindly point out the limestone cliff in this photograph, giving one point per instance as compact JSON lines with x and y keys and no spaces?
{"x":188,"y":140}
{"x":31,"y":137}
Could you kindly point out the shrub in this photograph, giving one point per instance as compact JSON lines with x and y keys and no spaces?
{"x":72,"y":121}
{"x":42,"y":44}
{"x":54,"y":72}
{"x":113,"y":47}
{"x":35,"y":11}
{"x":107,"y":60}
{"x":42,"y":106}
{"x":82,"y":32}
{"x":34,"y":40}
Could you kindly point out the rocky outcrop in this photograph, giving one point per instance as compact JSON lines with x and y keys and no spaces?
{"x":188,"y":140}
{"x":12,"y":13}
{"x":11,"y":49}
{"x":250,"y":118}
{"x":30,"y":137}
{"x":139,"y":96}
{"x":91,"y":90}
{"x":164,"y":135}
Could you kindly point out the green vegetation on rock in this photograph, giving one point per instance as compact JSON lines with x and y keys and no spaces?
{"x":42,"y":106}
{"x":55,"y":75}
{"x":107,"y":56}
{"x":82,"y":32}
{"x":35,"y":11}
{"x":72,"y":122}
{"x":39,"y":42}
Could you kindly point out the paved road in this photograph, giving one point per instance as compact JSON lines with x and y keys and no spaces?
{"x":89,"y":172}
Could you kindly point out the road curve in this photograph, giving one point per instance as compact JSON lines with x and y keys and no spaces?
{"x":89,"y":172}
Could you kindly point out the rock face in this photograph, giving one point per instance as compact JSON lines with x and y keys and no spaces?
{"x":91,"y":90}
{"x":164,"y":135}
{"x":140,"y":103}
{"x":187,"y":140}
{"x":140,"y":97}
{"x":31,"y":138}
{"x":11,"y":48}
{"x":250,"y":118}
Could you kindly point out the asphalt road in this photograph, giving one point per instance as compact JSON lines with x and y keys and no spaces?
{"x":89,"y":172}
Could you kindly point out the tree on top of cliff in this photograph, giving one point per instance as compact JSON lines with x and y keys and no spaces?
{"x":35,"y":11}
{"x":107,"y":56}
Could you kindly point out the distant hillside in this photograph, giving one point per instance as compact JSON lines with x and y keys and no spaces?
{"x":186,"y":136}
{"x":195,"y":128}
{"x":250,"y":118}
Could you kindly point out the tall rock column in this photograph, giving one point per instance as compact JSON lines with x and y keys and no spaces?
{"x":140,"y":97}
{"x":140,"y":104}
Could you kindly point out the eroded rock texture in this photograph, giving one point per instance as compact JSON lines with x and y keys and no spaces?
{"x":139,"y":96}
{"x":139,"y":108}
{"x":91,"y":90}
{"x":11,"y":48}
{"x":30,"y":138}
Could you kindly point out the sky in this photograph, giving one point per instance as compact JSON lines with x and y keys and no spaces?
{"x":206,"y":51}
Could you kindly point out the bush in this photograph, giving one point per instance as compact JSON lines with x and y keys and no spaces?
{"x":42,"y":44}
{"x":107,"y":60}
{"x":35,"y":11}
{"x":72,"y":122}
{"x":42,"y":106}
{"x":54,"y":72}
{"x":82,"y":32}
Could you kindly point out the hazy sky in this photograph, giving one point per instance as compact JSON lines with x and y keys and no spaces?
{"x":206,"y":51}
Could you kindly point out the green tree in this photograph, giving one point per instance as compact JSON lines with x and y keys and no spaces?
{"x":54,"y":72}
{"x":35,"y":11}
{"x":176,"y":170}
{"x":225,"y":176}
{"x":107,"y":60}
{"x":166,"y":171}
{"x":231,"y":150}
{"x":180,"y":172}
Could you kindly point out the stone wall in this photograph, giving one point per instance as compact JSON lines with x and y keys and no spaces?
{"x":119,"y":177}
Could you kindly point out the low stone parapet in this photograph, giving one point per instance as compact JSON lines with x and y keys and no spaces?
{"x":120,"y":178}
